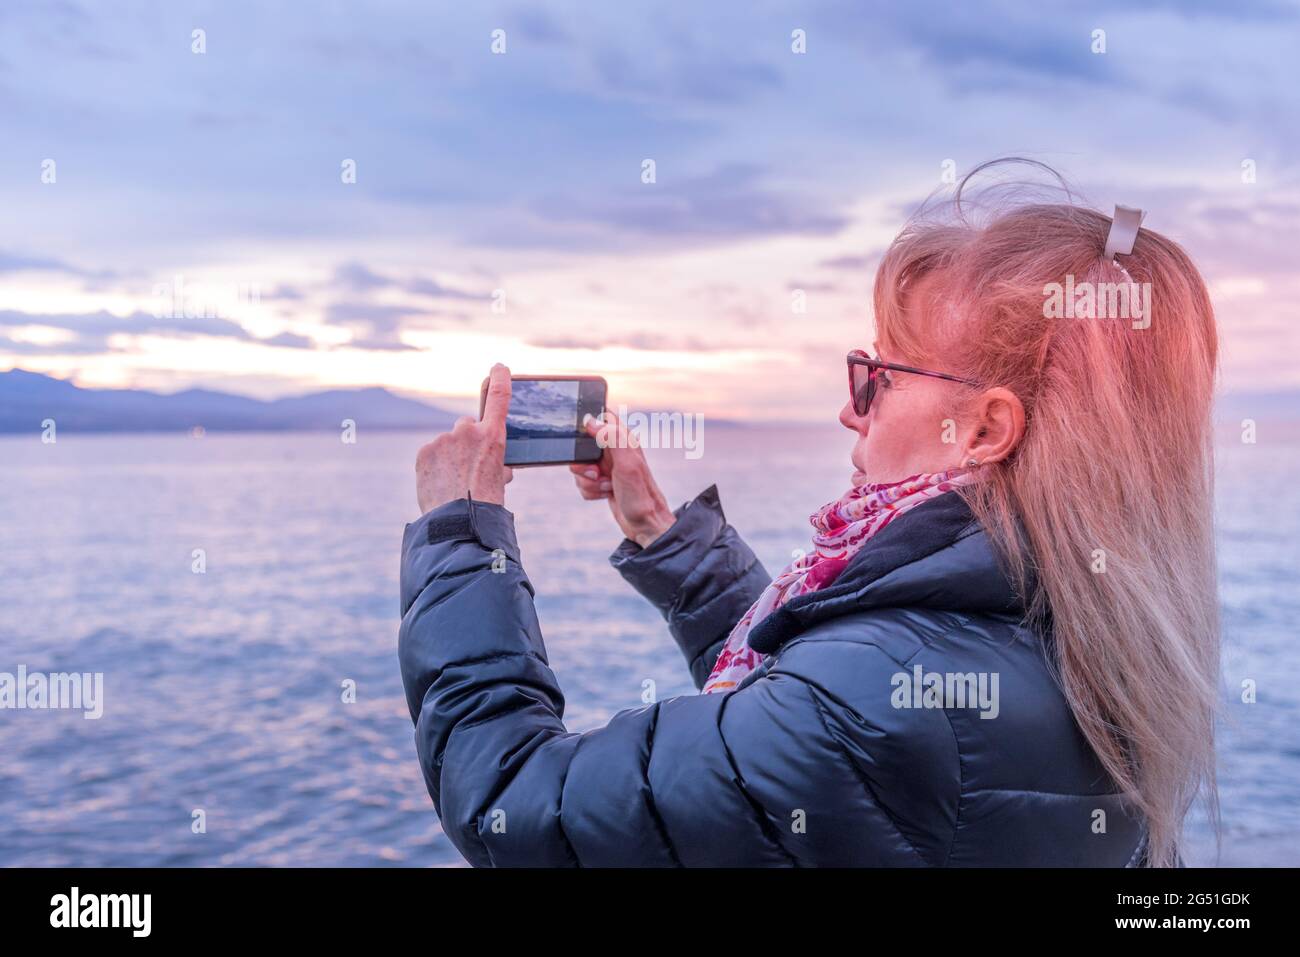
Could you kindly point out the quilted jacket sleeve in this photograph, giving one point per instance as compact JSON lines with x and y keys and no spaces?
{"x":701,"y":576}
{"x":687,"y":781}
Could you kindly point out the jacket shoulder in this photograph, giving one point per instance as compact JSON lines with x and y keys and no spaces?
{"x":962,"y":721}
{"x":908,"y":759}
{"x":989,"y":677}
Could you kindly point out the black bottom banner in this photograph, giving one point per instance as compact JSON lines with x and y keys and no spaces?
{"x":341,"y":906}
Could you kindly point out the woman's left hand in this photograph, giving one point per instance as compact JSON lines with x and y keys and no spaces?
{"x":471,"y":457}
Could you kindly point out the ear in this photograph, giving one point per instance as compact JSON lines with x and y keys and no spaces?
{"x":997,"y":424}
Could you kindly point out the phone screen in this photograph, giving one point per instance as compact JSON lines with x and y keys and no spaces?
{"x":544,"y":422}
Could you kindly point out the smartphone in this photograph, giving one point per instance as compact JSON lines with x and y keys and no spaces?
{"x":544,"y":422}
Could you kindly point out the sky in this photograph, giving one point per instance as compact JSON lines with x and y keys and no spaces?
{"x":311,"y":195}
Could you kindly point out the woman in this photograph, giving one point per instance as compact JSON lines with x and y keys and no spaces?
{"x":1002,"y":650}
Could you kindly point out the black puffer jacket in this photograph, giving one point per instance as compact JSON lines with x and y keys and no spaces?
{"x":831,"y":754}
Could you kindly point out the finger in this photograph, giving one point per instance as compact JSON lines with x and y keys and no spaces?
{"x":607,"y":428}
{"x":611,"y":433}
{"x":507,"y":475}
{"x":586,"y":484}
{"x":462,"y":423}
{"x":597,"y":429}
{"x":603,"y":483}
{"x":498,"y":398}
{"x":589,"y":470}
{"x":593,"y":495}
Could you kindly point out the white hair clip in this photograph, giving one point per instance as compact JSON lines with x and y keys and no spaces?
{"x":1123,"y":231}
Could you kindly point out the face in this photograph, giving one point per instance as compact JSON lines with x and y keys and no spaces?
{"x":903,"y":432}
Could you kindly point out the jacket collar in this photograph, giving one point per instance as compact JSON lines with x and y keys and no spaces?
{"x":936,"y":556}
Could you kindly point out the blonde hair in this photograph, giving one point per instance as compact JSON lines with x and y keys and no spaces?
{"x":1104,"y":513}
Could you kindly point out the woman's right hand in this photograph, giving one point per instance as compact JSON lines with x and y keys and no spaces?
{"x":623,"y":477}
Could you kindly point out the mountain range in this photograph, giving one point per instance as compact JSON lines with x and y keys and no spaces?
{"x":29,"y":398}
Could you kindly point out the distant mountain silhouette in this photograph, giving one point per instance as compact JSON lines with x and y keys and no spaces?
{"x":28,"y":398}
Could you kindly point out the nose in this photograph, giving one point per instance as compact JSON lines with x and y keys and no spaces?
{"x":852,"y":421}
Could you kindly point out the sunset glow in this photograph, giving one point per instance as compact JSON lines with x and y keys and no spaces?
{"x":744,"y":265}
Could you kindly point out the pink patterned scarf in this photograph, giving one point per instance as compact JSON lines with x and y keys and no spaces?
{"x":841,"y":529}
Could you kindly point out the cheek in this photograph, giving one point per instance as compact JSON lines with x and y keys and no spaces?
{"x":909,"y":424}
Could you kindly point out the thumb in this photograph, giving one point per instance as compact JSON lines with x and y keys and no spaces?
{"x":611,"y":434}
{"x":604,"y":429}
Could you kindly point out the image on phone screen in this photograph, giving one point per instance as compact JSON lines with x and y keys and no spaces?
{"x":544,"y":422}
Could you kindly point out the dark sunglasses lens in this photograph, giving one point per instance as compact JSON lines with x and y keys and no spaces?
{"x":864,"y":389}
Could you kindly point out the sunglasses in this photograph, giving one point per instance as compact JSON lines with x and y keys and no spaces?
{"x":863,"y":370}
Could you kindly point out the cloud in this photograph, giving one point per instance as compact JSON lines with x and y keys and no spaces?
{"x":641,"y":341}
{"x":12,"y":262}
{"x":25,"y":348}
{"x":379,"y":343}
{"x":18,"y":263}
{"x":435,"y":290}
{"x":288,"y":340}
{"x":691,"y":73}
{"x":104,"y":323}
{"x":732,"y":202}
{"x":92,"y":331}
{"x":380,"y":327}
{"x":811,"y":286}
{"x":284,"y":292}
{"x":851,"y":262}
{"x":1258,"y":10}
{"x":371,"y":315}
{"x":538,"y":26}
{"x":357,"y":277}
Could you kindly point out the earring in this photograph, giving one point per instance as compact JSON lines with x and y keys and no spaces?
{"x":971,"y":463}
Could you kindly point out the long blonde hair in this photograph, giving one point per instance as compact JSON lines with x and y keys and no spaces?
{"x":1104,"y":512}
